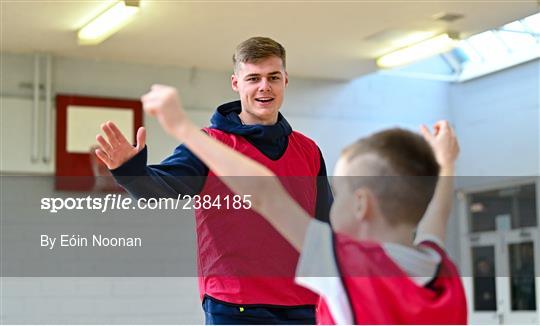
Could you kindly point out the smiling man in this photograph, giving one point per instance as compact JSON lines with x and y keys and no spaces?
{"x":260,"y":84}
{"x":246,"y":268}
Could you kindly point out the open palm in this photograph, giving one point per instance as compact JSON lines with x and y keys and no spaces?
{"x":116,"y":149}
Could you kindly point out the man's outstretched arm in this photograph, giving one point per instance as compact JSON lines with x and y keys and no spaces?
{"x":242,"y":174}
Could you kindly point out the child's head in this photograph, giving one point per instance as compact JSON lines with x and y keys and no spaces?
{"x":385,"y":179}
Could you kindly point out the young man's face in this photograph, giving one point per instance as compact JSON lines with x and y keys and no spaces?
{"x":261,"y":86}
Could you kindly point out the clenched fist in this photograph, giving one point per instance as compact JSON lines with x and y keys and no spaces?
{"x":163,"y":103}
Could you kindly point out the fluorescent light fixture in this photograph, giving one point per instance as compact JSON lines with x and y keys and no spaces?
{"x":411,"y":38}
{"x":418,"y":51}
{"x":108,"y":22}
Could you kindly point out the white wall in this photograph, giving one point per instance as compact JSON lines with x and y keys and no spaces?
{"x":497,"y":118}
{"x":336,"y":116}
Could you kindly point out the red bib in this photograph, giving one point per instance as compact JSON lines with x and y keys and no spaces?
{"x":242,"y":259}
{"x":381,"y":293}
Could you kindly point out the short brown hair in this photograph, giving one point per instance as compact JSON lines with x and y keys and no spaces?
{"x":406,"y":179}
{"x":256,"y":49}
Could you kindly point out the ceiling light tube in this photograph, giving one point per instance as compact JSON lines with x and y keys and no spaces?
{"x":108,"y":22}
{"x":436,"y":45}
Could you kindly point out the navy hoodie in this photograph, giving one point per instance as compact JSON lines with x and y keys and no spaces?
{"x":184,"y":173}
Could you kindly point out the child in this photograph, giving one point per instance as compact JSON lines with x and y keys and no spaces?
{"x":384,"y":184}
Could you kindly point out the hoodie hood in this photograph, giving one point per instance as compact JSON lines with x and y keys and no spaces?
{"x":271,"y":140}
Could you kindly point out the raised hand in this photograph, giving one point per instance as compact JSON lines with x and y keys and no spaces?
{"x":444,"y":143}
{"x":163,"y":102}
{"x":116,"y":149}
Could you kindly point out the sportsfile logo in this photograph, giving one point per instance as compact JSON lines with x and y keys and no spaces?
{"x":120,"y":202}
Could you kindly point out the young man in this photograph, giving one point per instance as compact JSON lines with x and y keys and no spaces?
{"x":238,"y":281}
{"x":387,"y":182}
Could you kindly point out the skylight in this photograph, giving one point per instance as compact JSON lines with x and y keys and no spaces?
{"x":497,"y":49}
{"x":483,"y":53}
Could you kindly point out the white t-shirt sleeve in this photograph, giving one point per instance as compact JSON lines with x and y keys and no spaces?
{"x":317,"y":271}
{"x":317,"y":256}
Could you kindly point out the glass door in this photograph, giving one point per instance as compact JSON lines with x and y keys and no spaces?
{"x":521,"y":283}
{"x":483,"y":296}
{"x":501,"y":254}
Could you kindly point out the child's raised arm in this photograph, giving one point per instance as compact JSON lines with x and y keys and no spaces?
{"x":242,"y":174}
{"x":446,"y":149}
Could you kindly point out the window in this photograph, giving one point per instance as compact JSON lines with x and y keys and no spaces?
{"x":497,"y":49}
{"x":481,"y":54}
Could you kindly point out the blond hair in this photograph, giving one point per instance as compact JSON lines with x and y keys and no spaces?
{"x":256,"y":49}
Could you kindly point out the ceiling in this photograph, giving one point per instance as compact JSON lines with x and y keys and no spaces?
{"x":324,"y":39}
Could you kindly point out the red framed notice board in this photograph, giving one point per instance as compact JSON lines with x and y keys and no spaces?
{"x":78,"y":121}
